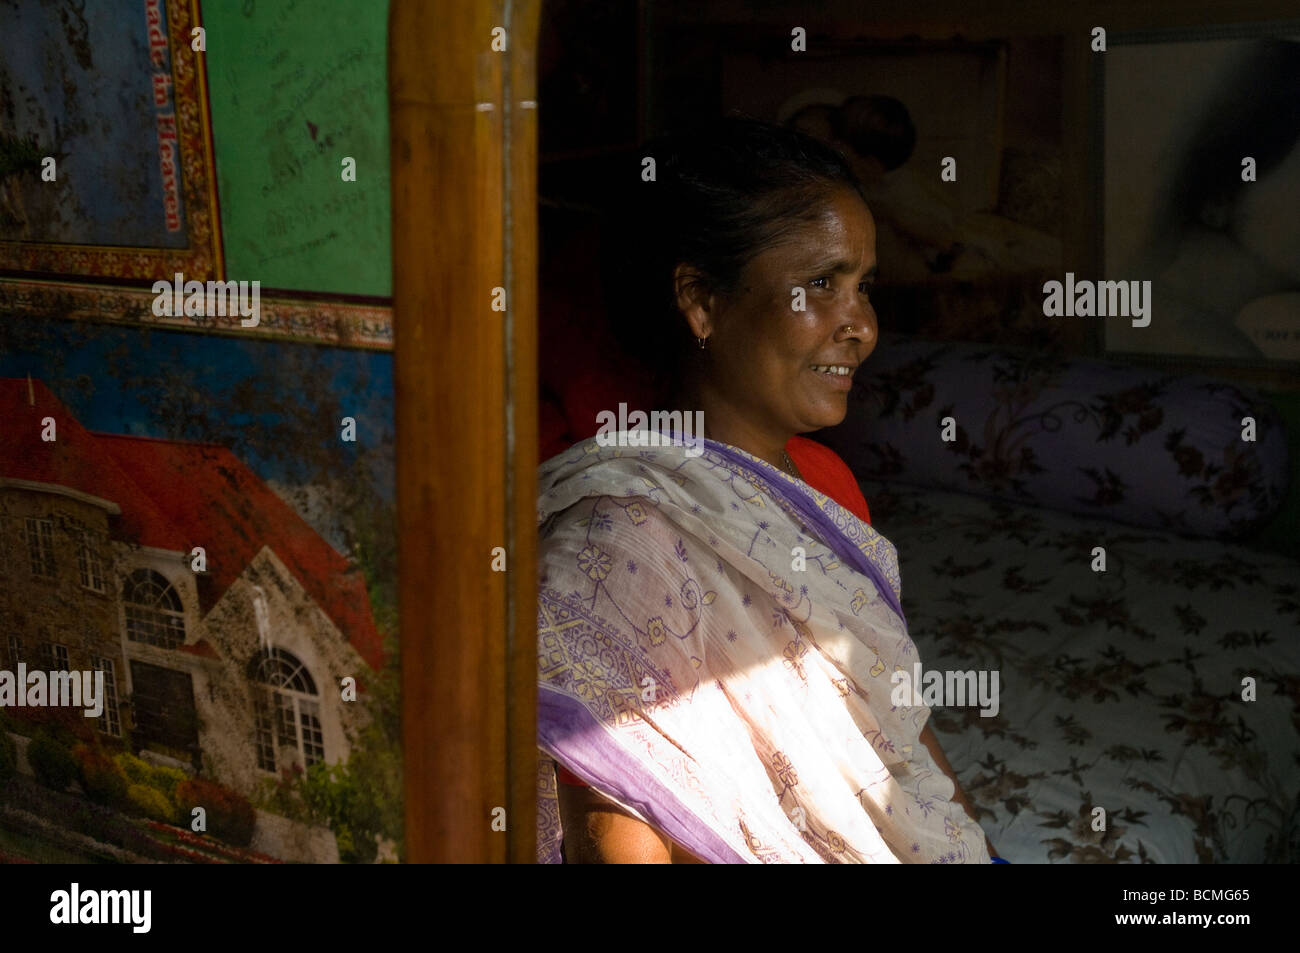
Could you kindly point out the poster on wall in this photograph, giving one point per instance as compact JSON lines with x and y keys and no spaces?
{"x":105,"y":158}
{"x":218,"y":580}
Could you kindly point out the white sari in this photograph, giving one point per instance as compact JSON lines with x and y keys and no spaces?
{"x":715,"y":645}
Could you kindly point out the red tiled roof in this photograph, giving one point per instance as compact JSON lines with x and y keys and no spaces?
{"x":75,"y":459}
{"x":176,"y":495}
{"x":225,"y":507}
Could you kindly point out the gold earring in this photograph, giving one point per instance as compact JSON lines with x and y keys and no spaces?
{"x":702,"y":340}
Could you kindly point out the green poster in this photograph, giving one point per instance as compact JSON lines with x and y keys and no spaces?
{"x":298,"y":87}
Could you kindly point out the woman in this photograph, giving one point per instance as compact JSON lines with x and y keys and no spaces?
{"x":716,"y":636}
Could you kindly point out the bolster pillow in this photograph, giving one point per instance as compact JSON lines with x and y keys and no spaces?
{"x":1124,"y":442}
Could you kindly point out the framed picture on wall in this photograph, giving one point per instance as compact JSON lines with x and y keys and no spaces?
{"x":105,"y":153}
{"x":1198,"y":150}
{"x":950,"y":92}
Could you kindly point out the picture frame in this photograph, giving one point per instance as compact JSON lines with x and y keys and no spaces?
{"x":1176,"y":116}
{"x":66,"y":209}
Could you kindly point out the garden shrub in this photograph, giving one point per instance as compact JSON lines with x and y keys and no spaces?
{"x":167,"y":780}
{"x":52,"y":763}
{"x":137,"y":770}
{"x":8,"y":755}
{"x":95,"y":822}
{"x":151,"y":803}
{"x":101,"y":778}
{"x":65,"y":725}
{"x":230,"y":815}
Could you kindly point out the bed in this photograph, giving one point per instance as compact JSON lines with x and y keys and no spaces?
{"x":1162,"y":689}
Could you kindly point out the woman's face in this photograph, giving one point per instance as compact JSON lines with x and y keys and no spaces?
{"x":785,"y":370}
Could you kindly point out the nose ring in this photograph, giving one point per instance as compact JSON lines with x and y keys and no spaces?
{"x":847,"y":329}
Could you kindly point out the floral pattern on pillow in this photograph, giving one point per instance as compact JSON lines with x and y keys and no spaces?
{"x":1090,"y":437}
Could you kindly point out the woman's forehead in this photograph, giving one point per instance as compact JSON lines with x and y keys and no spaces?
{"x":832,"y":242}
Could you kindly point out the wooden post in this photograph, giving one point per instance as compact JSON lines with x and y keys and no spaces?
{"x":463,"y":134}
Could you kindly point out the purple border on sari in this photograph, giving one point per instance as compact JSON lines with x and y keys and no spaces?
{"x":816,"y":516}
{"x":575,"y":738}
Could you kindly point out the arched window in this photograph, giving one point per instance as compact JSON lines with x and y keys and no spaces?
{"x":154,"y":614}
{"x":288,"y":711}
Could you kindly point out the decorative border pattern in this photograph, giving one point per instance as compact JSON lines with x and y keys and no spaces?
{"x":364,"y":326}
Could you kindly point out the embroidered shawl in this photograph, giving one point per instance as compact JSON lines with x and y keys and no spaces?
{"x":715,"y":646}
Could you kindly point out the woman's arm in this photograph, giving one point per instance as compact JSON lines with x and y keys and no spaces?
{"x":936,"y":751}
{"x":598,"y":831}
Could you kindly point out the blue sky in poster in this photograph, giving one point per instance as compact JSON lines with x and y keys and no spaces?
{"x":72,"y":359}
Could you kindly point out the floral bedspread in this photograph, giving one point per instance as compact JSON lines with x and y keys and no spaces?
{"x":1120,"y":690}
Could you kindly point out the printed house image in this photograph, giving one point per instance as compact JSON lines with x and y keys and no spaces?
{"x":231,"y":667}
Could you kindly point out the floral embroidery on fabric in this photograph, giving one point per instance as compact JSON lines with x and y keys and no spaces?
{"x":668,"y":678}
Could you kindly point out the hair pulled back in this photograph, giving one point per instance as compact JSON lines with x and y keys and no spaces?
{"x":722,"y":193}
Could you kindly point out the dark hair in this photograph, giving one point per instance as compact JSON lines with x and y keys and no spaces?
{"x":877,"y":126}
{"x":723,"y":192}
